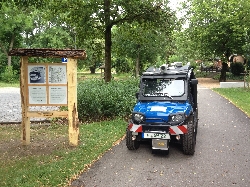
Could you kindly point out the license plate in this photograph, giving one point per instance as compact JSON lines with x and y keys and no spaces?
{"x":155,"y":135}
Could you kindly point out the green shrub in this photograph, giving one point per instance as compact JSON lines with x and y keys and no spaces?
{"x":237,"y":68}
{"x":9,"y":75}
{"x":98,"y":100}
{"x":193,"y":65}
{"x":217,"y":76}
{"x":122,"y":66}
{"x":201,"y":74}
{"x":230,"y":76}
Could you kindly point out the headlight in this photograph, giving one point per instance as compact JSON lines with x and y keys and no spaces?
{"x":138,"y":118}
{"x":177,"y":118}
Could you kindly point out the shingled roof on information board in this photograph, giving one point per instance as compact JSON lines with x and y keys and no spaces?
{"x":47,"y":52}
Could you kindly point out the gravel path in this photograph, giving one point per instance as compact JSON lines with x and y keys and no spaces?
{"x":10,"y":110}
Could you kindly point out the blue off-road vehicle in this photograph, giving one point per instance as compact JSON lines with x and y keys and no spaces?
{"x":166,"y":109}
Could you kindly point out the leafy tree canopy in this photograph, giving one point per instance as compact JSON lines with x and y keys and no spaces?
{"x":95,"y":18}
{"x":219,"y":27}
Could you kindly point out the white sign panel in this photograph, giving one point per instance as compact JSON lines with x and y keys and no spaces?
{"x":57,"y":74}
{"x":37,"y":95}
{"x":57,"y":94}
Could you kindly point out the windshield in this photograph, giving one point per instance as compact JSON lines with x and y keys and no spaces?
{"x":163,"y":87}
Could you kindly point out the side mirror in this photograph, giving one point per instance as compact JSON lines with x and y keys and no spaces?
{"x":194,"y":81}
{"x":137,"y":95}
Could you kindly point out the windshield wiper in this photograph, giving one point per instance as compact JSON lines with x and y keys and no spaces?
{"x":167,"y":94}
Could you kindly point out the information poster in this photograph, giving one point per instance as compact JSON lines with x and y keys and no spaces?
{"x":57,"y":94}
{"x":37,"y":95}
{"x":36,"y":74}
{"x":57,"y":74}
{"x":47,"y":84}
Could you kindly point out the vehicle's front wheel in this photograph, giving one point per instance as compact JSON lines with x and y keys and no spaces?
{"x":196,"y":120}
{"x":189,"y":139}
{"x":130,"y":143}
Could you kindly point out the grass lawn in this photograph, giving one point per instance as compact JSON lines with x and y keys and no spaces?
{"x":240,"y":97}
{"x":49,"y":160}
{"x":3,"y":84}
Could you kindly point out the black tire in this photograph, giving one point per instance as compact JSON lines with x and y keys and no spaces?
{"x":131,"y":144}
{"x":189,"y":139}
{"x":196,"y":120}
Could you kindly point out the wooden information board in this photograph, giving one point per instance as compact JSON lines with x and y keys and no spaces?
{"x":49,"y":84}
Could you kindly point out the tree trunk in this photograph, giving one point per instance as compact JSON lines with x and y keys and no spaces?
{"x":11,"y":47}
{"x":108,"y":41}
{"x":137,"y":66}
{"x":6,"y":53}
{"x":223,"y":75}
{"x":92,"y":69}
{"x":9,"y":61}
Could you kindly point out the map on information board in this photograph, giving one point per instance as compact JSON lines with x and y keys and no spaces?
{"x":57,"y":74}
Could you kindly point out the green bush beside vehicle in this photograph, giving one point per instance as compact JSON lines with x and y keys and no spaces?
{"x":98,"y":100}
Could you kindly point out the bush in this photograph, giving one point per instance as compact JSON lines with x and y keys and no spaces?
{"x":122,"y":66}
{"x":230,"y":76}
{"x":237,"y":68}
{"x":201,"y":74}
{"x":98,"y":100}
{"x":217,"y":76}
{"x":9,"y":75}
{"x":193,"y":65}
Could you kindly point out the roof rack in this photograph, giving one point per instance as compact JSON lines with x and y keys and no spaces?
{"x":165,"y":69}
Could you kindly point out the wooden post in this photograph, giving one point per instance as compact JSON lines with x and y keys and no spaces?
{"x":72,"y":102}
{"x":25,"y":136}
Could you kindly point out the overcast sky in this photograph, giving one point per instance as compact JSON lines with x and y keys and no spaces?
{"x":175,"y":3}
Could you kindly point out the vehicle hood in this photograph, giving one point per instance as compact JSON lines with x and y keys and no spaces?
{"x":162,"y":110}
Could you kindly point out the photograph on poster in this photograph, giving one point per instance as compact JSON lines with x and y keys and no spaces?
{"x":57,"y":74}
{"x":37,"y":95}
{"x":36,"y":74}
{"x":57,"y":94}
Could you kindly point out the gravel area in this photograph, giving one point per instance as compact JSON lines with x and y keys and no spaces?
{"x":208,"y":82}
{"x":10,"y":110}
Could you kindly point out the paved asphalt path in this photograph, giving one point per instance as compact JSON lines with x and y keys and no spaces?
{"x":222,"y":156}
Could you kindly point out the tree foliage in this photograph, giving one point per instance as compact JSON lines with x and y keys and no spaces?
{"x":95,"y":19}
{"x":28,"y":24}
{"x":14,"y":23}
{"x":142,"y":43}
{"x":237,"y":68}
{"x":219,"y":27}
{"x":89,"y":25}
